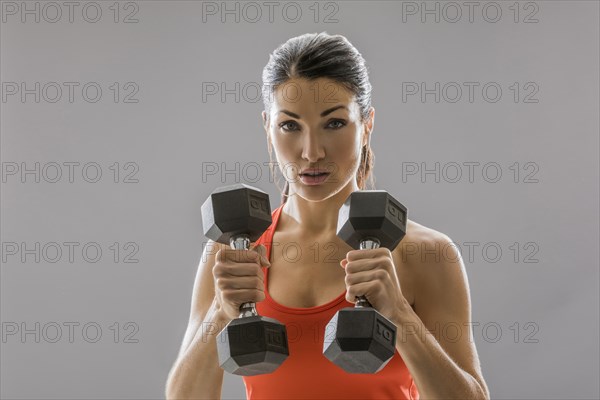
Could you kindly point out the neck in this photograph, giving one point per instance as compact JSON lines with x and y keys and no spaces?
{"x":315,"y":218}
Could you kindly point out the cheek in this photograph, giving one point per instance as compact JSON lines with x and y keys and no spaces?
{"x":346,"y":146}
{"x":346,"y":158}
{"x":349,"y":147}
{"x":284,"y":148}
{"x":286,"y":154}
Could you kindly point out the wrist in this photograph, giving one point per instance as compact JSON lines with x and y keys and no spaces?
{"x":404,"y":314}
{"x":217,"y":315}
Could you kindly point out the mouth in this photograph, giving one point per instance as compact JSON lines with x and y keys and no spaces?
{"x":314,"y":177}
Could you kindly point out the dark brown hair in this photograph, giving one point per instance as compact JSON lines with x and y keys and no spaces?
{"x":321,"y":55}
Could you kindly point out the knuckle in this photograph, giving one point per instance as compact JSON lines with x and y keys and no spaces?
{"x":226,"y":255}
{"x":381,"y":274}
{"x":218,"y":269}
{"x":350,"y":297}
{"x":348,"y":279}
{"x":349,"y":267}
{"x":249,"y":255}
{"x":258,"y":283}
{"x":236,"y":256}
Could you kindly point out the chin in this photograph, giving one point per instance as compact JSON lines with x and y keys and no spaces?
{"x":317,"y":192}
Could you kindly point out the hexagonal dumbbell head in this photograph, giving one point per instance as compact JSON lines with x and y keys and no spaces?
{"x":234,"y":210}
{"x":372,"y":213}
{"x":252,"y":346}
{"x":364,"y":341}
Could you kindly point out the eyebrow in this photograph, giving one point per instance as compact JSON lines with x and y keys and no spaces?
{"x":323,"y":114}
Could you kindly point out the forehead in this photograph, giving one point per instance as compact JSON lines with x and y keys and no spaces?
{"x":311,"y":94}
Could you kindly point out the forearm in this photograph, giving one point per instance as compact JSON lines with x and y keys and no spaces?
{"x":196,"y":374}
{"x":436,"y":375}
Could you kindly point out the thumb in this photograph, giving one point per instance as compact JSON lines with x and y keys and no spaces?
{"x":262,"y":251}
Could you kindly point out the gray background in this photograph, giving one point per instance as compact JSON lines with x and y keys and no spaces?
{"x":172,"y":135}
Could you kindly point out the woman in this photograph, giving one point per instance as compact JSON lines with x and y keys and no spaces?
{"x":318,"y":118}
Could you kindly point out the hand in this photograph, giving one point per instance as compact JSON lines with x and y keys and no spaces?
{"x":372,"y":273}
{"x":238,"y":278}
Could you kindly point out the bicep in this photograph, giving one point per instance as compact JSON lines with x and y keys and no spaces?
{"x":443,"y":303}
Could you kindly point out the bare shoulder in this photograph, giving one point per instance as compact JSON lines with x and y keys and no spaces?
{"x":422,"y":246}
{"x":430,"y":258}
{"x":416,"y":231}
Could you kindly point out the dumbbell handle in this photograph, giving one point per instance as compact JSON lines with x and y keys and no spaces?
{"x":242,"y":242}
{"x":369,"y":243}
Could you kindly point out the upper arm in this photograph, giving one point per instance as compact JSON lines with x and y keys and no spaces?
{"x":443,"y":302}
{"x":203,"y":292}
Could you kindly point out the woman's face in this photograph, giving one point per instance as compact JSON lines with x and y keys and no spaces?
{"x":316,"y":124}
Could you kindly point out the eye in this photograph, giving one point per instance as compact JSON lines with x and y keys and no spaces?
{"x":339,"y":121}
{"x":281,"y":125}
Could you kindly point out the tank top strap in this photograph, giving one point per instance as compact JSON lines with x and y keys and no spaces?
{"x":267,"y":237}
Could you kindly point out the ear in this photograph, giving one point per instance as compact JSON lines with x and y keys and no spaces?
{"x":265,"y":121}
{"x":369,"y":124}
{"x":266,"y":124}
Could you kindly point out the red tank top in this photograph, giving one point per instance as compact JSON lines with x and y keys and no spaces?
{"x":306,"y":373}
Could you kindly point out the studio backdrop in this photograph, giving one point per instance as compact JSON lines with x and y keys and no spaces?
{"x":118,"y":119}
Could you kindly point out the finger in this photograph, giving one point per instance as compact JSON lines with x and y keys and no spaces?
{"x":360,"y":254}
{"x":240,"y":283}
{"x":368,"y":253}
{"x":247,"y":295}
{"x":365,"y":276}
{"x":239,"y":269}
{"x":362,"y":265}
{"x":262,"y":251}
{"x":238,"y":256}
{"x":360,"y":289}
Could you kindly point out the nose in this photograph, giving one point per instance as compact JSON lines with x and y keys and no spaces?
{"x":313,"y":151}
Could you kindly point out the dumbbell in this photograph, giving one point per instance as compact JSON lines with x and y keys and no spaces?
{"x":363,"y":340}
{"x":250,"y":344}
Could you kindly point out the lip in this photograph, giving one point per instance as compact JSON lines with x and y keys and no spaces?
{"x":314,"y":180}
{"x":312,"y":171}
